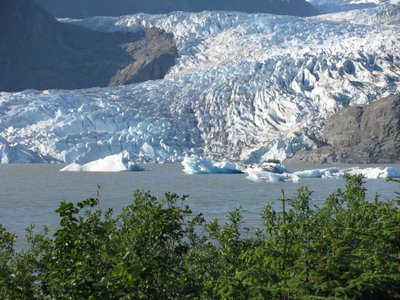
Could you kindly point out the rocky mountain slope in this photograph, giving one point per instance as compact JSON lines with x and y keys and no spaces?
{"x":329,"y":6}
{"x":247,"y":87}
{"x":38,"y":52}
{"x":360,"y":134}
{"x":87,"y":8}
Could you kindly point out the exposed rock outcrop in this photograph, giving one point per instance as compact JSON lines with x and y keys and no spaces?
{"x":360,"y":134}
{"x":38,"y":52}
{"x":86,"y":8}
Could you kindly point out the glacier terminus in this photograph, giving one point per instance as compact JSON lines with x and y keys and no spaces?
{"x":245,"y":87}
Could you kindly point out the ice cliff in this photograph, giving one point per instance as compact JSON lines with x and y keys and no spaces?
{"x":247,"y":87}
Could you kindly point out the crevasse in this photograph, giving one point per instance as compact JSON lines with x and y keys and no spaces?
{"x":248,"y":87}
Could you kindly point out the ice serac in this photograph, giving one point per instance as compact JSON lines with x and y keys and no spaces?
{"x":17,"y":154}
{"x":113,"y":163}
{"x":245,"y":87}
{"x":38,"y":52}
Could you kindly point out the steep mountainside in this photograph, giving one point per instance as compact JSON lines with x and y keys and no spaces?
{"x":360,"y":134}
{"x":329,"y":6}
{"x":247,"y":87}
{"x":86,"y":8}
{"x":40,"y":53}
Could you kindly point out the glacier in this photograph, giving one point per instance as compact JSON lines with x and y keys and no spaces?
{"x":245,"y":87}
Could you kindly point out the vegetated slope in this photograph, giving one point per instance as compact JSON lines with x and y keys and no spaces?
{"x":244,"y":87}
{"x":87,"y":8}
{"x":38,"y":52}
{"x":360,"y":134}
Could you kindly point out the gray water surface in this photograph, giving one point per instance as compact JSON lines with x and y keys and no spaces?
{"x":29,"y":194}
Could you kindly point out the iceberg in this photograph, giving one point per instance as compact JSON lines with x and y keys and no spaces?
{"x":266,"y":176}
{"x":113,"y":163}
{"x":268,"y":172}
{"x":317,"y":173}
{"x":274,"y":171}
{"x":262,"y":175}
{"x":373,"y":173}
{"x":269,"y":166}
{"x":199,"y":165}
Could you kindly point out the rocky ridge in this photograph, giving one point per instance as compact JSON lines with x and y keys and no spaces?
{"x":87,"y":8}
{"x":38,"y":52}
{"x":359,"y":134}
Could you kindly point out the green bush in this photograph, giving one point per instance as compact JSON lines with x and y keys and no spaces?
{"x":156,"y":249}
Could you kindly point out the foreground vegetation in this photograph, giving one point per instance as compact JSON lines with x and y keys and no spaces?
{"x":349,"y":248}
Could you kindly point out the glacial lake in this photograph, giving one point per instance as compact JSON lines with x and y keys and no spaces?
{"x":29,"y":194}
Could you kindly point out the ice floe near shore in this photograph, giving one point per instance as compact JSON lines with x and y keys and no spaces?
{"x":113,"y":163}
{"x":266,"y":176}
{"x":375,"y":173}
{"x":276,"y":172}
{"x":317,"y":173}
{"x":334,"y":172}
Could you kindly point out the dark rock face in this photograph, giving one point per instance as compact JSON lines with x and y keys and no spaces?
{"x":40,"y":53}
{"x":86,"y":8}
{"x":343,"y":129}
{"x":152,"y":56}
{"x":362,"y":134}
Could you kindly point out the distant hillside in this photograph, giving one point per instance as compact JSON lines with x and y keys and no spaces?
{"x":86,"y":8}
{"x":37,"y":52}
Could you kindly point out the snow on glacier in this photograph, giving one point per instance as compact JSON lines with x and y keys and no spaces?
{"x":245,"y":87}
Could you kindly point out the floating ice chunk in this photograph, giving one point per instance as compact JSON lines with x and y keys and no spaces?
{"x":295,"y":178}
{"x":373,"y":173}
{"x":268,"y":172}
{"x":335,"y":172}
{"x":261,"y":174}
{"x":317,"y":173}
{"x":390,"y":171}
{"x":199,"y":165}
{"x":113,"y":163}
{"x":271,"y":167}
{"x":266,"y":176}
{"x":274,"y":167}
